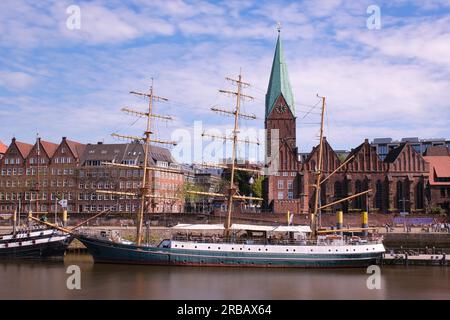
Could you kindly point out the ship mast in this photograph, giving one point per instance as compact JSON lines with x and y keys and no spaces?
{"x":146,"y":140}
{"x":319,"y":206}
{"x":232,"y":190}
{"x":318,"y":173}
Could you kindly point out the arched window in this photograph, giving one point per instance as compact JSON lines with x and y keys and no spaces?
{"x":419,"y":195}
{"x":400,"y":194}
{"x":338,"y":190}
{"x":358,"y":200}
{"x":379,"y":195}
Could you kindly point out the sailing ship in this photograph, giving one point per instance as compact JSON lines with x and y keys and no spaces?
{"x":35,"y":240}
{"x":230,"y":244}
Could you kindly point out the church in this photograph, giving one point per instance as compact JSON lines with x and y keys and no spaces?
{"x":400,"y":182}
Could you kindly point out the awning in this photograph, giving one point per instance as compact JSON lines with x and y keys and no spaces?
{"x":251,"y":227}
{"x":185,"y":226}
{"x":305,"y":229}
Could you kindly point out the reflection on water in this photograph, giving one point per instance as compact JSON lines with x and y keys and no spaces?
{"x":45,"y":280}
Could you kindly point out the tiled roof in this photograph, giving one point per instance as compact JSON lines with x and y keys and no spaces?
{"x":49,"y":147}
{"x":279,"y":81}
{"x":3,"y":147}
{"x":125,"y":151}
{"x":439,"y":168}
{"x":76,"y":147}
{"x":24,"y":148}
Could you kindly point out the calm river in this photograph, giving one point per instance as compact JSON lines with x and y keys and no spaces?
{"x":44,"y":280}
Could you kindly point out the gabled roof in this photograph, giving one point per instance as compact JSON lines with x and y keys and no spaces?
{"x":76,"y":148}
{"x":24,"y":148}
{"x":49,"y":147}
{"x":355,"y":151}
{"x":3,"y":148}
{"x":279,"y":81}
{"x":394,"y":153}
{"x":439,"y":168}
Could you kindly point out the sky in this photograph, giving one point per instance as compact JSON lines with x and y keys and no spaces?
{"x":391,"y":80}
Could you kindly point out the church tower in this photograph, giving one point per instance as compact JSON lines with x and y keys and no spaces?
{"x":282,"y":185}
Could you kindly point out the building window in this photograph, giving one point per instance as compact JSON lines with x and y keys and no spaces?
{"x":285,"y":174}
{"x":280,"y":195}
{"x":280,"y":184}
{"x":290,"y":195}
{"x":442,"y":192}
{"x":289,"y":184}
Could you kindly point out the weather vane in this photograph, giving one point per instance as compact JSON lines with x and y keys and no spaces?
{"x":279,"y":26}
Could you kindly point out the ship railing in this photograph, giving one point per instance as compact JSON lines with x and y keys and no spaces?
{"x":281,"y":242}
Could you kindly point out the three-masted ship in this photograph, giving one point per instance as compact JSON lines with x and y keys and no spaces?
{"x":231,"y":244}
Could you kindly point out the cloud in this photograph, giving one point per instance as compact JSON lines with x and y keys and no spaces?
{"x":389,"y":82}
{"x":15,"y":80}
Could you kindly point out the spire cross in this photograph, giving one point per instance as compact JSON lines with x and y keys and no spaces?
{"x":279,"y":26}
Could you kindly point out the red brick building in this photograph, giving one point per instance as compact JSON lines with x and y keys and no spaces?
{"x":35,"y":177}
{"x":400,"y":182}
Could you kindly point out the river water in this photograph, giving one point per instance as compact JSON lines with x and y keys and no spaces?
{"x":48,"y":280}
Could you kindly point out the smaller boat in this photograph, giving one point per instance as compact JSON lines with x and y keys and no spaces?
{"x":34,"y":242}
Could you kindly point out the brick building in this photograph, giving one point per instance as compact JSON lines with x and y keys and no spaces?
{"x":73,"y":171}
{"x":400,"y":180}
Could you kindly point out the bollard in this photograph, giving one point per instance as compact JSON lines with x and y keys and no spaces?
{"x":365,"y":222}
{"x":14,"y":217}
{"x":339,"y":219}
{"x":65,"y":217}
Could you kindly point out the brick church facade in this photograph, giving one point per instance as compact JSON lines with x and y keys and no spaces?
{"x":399,"y":183}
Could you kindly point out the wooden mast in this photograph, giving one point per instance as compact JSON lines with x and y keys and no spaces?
{"x":144,"y":194}
{"x":233,"y":154}
{"x":232,"y":192}
{"x":319,"y":173}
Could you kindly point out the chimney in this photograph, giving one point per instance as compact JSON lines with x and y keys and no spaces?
{"x":99,"y":142}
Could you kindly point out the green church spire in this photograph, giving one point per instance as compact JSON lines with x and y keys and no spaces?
{"x":279,"y":81}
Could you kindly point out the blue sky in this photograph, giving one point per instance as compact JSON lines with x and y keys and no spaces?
{"x":394,"y":81}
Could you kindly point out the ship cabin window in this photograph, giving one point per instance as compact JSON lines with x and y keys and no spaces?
{"x":164,"y":244}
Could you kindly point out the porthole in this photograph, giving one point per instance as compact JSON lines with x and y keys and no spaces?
{"x":195,"y":247}
{"x":248,"y":249}
{"x":259,"y":249}
{"x":266,"y":249}
{"x":329,"y":250}
{"x":176,"y":245}
{"x":218,"y":248}
{"x":240,"y":249}
{"x":182,"y":246}
{"x":336,"y":250}
{"x":232,"y":248}
{"x":209,"y":247}
{"x":354,"y":250}
{"x":287,"y":250}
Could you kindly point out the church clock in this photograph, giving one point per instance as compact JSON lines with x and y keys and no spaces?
{"x":281,"y":108}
